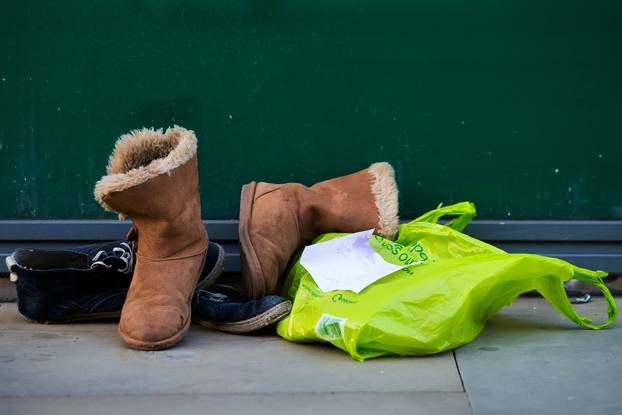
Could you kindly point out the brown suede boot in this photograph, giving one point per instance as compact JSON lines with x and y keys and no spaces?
{"x":278,"y":219}
{"x":152,"y":179}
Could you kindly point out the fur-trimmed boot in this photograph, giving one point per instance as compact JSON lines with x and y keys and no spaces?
{"x":278,"y":219}
{"x":153,"y":179}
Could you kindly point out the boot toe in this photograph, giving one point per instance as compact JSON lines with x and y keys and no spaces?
{"x":153,"y":328}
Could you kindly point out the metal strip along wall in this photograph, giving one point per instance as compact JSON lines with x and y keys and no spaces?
{"x":589,"y":244}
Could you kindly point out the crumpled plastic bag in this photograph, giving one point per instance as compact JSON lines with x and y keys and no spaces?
{"x":441,"y":303}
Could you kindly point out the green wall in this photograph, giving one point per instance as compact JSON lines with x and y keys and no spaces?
{"x":516,"y":106}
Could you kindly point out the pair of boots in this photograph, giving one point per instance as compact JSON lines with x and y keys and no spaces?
{"x":153,"y":180}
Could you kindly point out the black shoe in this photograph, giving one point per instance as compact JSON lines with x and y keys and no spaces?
{"x":85,"y":283}
{"x":224,"y":308}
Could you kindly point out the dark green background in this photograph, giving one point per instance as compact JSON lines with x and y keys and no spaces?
{"x":516,"y":106}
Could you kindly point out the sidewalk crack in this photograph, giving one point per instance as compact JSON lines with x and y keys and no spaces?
{"x":453,"y":352}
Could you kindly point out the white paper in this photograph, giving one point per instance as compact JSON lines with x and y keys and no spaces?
{"x":346,"y":263}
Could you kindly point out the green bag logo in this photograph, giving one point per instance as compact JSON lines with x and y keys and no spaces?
{"x":330,"y":327}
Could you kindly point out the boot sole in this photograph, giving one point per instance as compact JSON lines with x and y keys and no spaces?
{"x":260,"y":321}
{"x":253,"y":278}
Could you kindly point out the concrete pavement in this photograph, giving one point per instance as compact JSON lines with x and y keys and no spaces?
{"x":528,"y":360}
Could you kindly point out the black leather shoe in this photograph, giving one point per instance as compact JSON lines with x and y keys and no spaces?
{"x":85,"y":283}
{"x":224,"y":308}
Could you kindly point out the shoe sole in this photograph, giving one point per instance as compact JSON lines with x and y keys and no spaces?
{"x":260,"y":321}
{"x":253,"y":277}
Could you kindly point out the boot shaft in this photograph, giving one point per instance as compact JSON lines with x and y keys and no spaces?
{"x":359,"y":201}
{"x":153,"y":179}
{"x":362,"y":200}
{"x":166,"y":213}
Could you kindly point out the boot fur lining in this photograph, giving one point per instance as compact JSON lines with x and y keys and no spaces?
{"x":142,"y":155}
{"x":385,"y":192}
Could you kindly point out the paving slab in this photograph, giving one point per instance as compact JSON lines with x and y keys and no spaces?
{"x":413,"y":403}
{"x":58,"y":365}
{"x":532,"y":360}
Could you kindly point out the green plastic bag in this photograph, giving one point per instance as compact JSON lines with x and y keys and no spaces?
{"x":433,"y":306}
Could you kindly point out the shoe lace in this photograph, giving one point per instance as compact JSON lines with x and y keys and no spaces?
{"x":123,"y":252}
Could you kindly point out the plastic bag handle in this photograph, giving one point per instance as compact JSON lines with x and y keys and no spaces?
{"x":465,"y":211}
{"x":612,"y":308}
